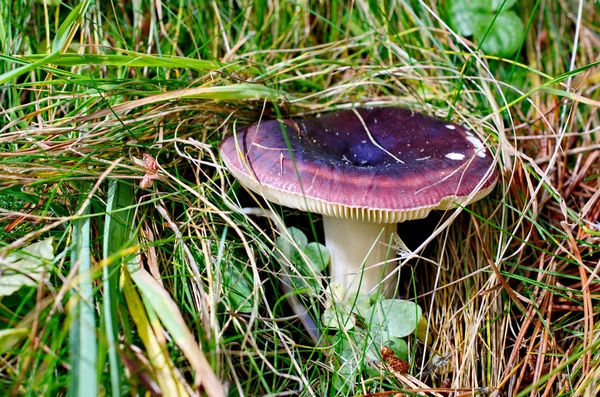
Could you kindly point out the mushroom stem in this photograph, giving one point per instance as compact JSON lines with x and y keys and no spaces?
{"x":356,"y":245}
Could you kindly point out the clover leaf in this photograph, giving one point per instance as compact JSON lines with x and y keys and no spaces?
{"x":497,"y":29}
{"x":463,"y":15}
{"x":383,"y":323}
{"x":288,"y":247}
{"x":309,"y":259}
{"x":397,"y":317}
{"x":399,"y":347}
{"x":238,"y":286}
{"x":504,"y":35}
{"x":338,"y":317}
{"x":318,"y":256}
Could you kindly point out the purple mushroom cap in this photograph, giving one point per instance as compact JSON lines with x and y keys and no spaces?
{"x":383,"y":165}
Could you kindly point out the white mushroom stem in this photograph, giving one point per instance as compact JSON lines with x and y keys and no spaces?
{"x":359,"y":251}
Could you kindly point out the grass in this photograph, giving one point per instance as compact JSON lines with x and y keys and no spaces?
{"x":111,"y":115}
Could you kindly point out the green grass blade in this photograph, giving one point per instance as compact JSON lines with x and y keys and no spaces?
{"x":83,"y":344}
{"x":133,"y":59}
{"x":66,"y":29}
{"x":13,"y":74}
{"x":116,"y":234}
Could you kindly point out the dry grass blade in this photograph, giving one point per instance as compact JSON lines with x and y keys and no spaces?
{"x":164,"y":307}
{"x":159,"y":360}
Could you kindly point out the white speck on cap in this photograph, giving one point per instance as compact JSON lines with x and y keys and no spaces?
{"x":450,"y":127}
{"x":479,"y":148}
{"x":455,"y":156}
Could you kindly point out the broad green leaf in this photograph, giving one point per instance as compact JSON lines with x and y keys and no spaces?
{"x":290,"y":247}
{"x":505,"y":35}
{"x":354,"y":344}
{"x":334,"y":294}
{"x":318,"y":256}
{"x":344,"y":377}
{"x":26,"y":267}
{"x":350,"y":348}
{"x":399,"y":317}
{"x":310,"y":262}
{"x":379,"y":333}
{"x":239,"y":289}
{"x":468,"y":17}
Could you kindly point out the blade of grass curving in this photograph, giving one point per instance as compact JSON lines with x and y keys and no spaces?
{"x":66,"y":30}
{"x":168,"y":312}
{"x":83,"y":341}
{"x":133,"y":59}
{"x":157,"y":355}
{"x":116,"y":234}
{"x":230,"y":92}
{"x":13,"y":74}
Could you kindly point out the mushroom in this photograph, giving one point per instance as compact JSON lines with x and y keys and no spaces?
{"x":364,"y":170}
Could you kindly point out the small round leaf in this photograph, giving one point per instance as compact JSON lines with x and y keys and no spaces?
{"x":290,"y":247}
{"x":504,"y":36}
{"x":353,"y":345}
{"x":334,"y":294}
{"x":337,"y":317}
{"x":358,"y":304}
{"x":318,"y":256}
{"x":399,"y":347}
{"x":463,"y":15}
{"x":400,"y":317}
{"x":238,"y":289}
